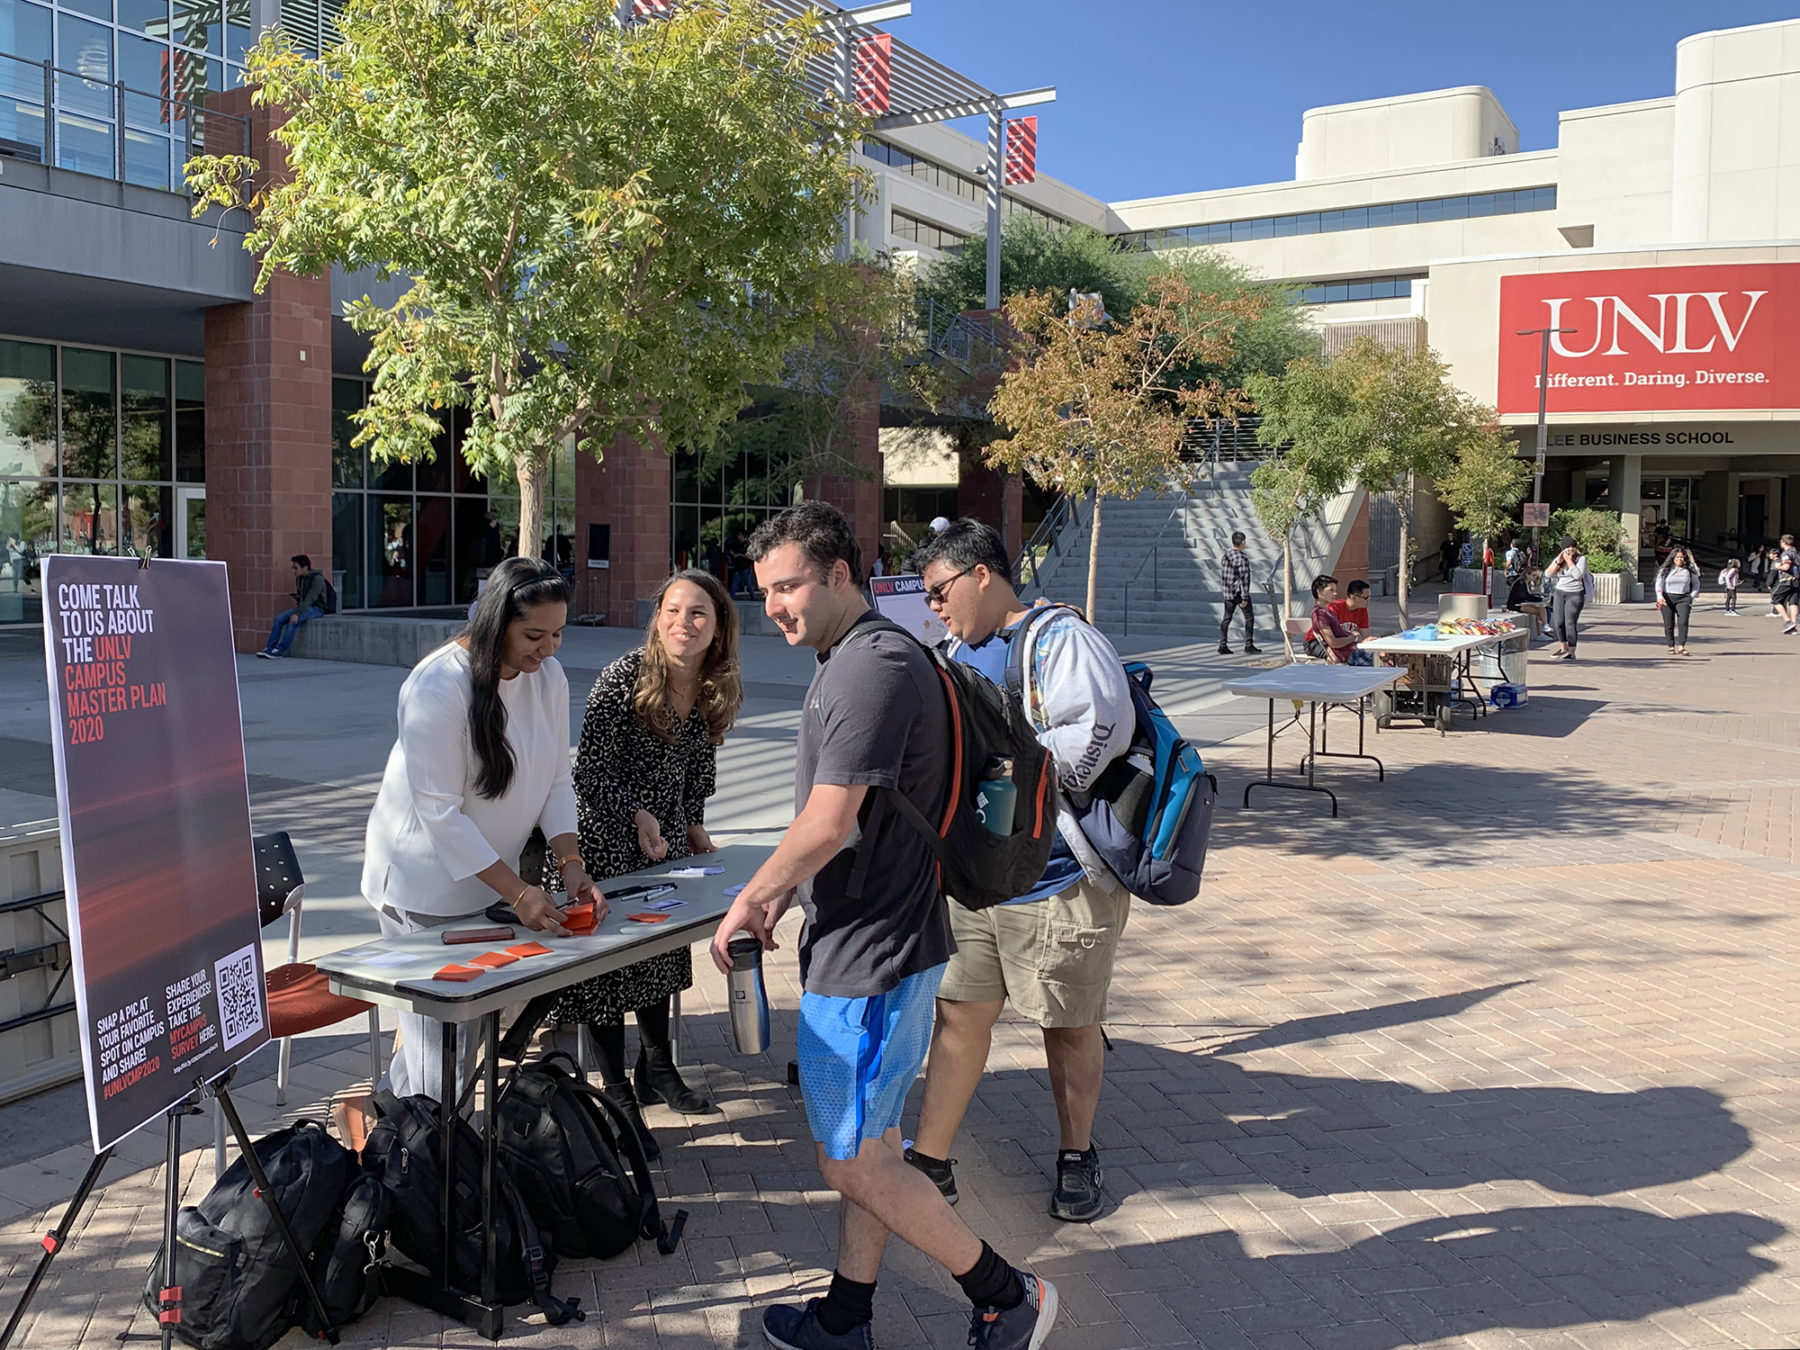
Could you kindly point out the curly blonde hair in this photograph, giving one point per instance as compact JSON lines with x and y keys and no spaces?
{"x":721,"y":692}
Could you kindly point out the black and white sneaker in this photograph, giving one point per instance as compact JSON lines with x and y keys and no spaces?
{"x":942,"y":1174}
{"x":1077,"y":1197}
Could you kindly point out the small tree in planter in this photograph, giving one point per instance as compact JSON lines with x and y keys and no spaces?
{"x":1484,"y":485}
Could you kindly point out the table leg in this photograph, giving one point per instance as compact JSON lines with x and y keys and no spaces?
{"x":1312,"y":745}
{"x":447,"y":1085}
{"x":490,"y":1162}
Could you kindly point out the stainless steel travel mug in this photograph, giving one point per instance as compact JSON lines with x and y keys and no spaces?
{"x":749,"y":1001}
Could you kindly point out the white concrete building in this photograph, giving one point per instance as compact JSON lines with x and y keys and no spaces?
{"x":1665,"y":231}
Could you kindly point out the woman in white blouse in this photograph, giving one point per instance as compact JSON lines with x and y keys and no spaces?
{"x":482,"y":758}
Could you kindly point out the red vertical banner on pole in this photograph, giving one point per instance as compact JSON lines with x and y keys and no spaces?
{"x":651,"y":9}
{"x":1020,"y":164}
{"x":872,"y":77}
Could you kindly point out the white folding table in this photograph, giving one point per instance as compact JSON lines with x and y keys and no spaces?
{"x":1460,"y":648}
{"x":1317,"y":687}
{"x":396,"y":972}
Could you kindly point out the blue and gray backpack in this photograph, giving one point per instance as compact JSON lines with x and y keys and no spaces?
{"x":1150,"y":811}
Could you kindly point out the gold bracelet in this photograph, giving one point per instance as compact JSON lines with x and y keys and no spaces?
{"x":522,"y":895}
{"x":564,"y":861}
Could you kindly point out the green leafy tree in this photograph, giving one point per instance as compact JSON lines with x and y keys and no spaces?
{"x":1091,"y":404}
{"x":610,"y":229}
{"x":1038,"y":256}
{"x":1276,"y":332}
{"x":1311,"y":409}
{"x":1486,"y":484}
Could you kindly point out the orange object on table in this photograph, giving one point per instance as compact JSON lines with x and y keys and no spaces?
{"x":529,"y":949}
{"x":460,"y":974}
{"x":493,"y":960}
{"x":579,"y":918}
{"x":648,"y":917}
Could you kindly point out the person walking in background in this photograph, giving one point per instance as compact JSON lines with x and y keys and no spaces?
{"x":309,"y":604}
{"x":1447,"y":556}
{"x":1729,"y":577}
{"x":1754,"y":566}
{"x":1784,"y":596}
{"x":646,"y":765}
{"x":875,"y":724}
{"x":1234,"y":582}
{"x":1571,"y":587}
{"x":1677,"y":583}
{"x":481,"y":760}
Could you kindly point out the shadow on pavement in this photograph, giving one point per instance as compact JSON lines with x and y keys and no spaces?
{"x":1354,"y":1023}
{"x":1457,"y":813}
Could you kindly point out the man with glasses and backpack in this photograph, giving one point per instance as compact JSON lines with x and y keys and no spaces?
{"x":1051,"y":950}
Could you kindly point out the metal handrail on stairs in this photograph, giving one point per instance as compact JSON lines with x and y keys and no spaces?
{"x":1181,"y":507}
{"x":1045,"y":540}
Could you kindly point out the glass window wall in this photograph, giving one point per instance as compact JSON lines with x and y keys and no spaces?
{"x":92,"y":443}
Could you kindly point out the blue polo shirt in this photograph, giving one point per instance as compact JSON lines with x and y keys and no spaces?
{"x":989,"y":659}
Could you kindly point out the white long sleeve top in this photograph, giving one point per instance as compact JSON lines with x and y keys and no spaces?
{"x":430,"y":832}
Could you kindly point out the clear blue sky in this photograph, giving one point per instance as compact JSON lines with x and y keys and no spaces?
{"x":1160,"y":96}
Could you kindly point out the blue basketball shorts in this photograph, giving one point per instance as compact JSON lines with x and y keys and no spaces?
{"x":859,"y":1057}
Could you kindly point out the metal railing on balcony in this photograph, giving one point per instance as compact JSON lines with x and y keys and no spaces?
{"x":69,"y":120}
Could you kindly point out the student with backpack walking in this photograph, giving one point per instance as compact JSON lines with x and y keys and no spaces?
{"x":1677,"y":583}
{"x":482,"y":759}
{"x":875,"y":726}
{"x":1076,"y":695}
{"x":1729,"y":578}
{"x":643,"y":772}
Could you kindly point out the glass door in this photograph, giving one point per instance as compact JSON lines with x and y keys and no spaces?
{"x":190,"y":522}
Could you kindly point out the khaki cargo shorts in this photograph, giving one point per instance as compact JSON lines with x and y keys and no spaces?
{"x":1052,"y":958}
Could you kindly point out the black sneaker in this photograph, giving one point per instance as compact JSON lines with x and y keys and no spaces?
{"x":943,"y":1175}
{"x":1253,"y":651}
{"x":1224,"y":650}
{"x":1077,"y":1197}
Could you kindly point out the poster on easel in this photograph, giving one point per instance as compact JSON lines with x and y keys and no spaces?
{"x":901,"y":600}
{"x":154,"y":801}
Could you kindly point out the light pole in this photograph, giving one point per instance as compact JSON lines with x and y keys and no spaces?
{"x":1537,"y":477}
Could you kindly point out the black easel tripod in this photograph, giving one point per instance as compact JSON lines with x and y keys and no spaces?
{"x":170,"y":1313}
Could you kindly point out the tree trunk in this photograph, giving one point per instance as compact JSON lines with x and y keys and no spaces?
{"x":532,"y":475}
{"x":1287,"y":590}
{"x":1405,"y":581}
{"x":1093,"y":561}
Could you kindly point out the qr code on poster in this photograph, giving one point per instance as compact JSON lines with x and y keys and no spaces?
{"x":240,"y":997}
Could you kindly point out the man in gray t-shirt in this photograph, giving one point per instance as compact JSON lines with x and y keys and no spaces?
{"x":876,"y":939}
{"x":875,"y":717}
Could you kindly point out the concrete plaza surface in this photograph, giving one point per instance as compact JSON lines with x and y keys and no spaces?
{"x":1504,"y":1056}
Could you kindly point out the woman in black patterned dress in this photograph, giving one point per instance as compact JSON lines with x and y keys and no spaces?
{"x":645,"y":767}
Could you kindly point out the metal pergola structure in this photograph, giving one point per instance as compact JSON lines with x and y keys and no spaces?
{"x":921,"y":91}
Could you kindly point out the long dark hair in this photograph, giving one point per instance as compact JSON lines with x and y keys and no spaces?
{"x":721,"y":690}
{"x":513,"y":587}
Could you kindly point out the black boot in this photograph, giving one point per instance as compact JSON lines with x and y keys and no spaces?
{"x":627,"y":1102}
{"x":658,"y":1080}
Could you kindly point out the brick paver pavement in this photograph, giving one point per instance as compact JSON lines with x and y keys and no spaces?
{"x":1504,"y":1056}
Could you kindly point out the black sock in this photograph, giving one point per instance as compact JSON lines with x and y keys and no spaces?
{"x":847,"y":1304}
{"x":931,"y":1163}
{"x":991,"y":1282}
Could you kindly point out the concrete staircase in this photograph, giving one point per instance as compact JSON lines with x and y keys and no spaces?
{"x":1159,"y":554}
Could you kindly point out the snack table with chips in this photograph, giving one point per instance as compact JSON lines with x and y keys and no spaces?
{"x":455,"y":983}
{"x":1432,"y":688}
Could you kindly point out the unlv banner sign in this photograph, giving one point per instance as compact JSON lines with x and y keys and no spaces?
{"x":1675,"y":339}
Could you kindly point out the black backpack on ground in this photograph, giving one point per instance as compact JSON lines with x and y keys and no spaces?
{"x":402,"y":1151}
{"x":977,"y":868}
{"x":240,"y":1285}
{"x":579,"y":1163}
{"x":328,"y":602}
{"x":347,"y":1263}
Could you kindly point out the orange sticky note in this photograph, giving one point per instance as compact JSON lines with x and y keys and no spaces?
{"x":579,"y":918}
{"x":529,"y":949}
{"x":648,"y":918}
{"x":493,"y":960}
{"x":461,"y":974}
